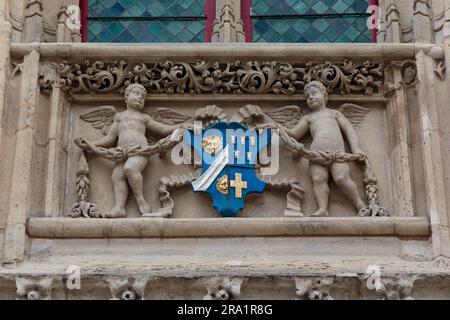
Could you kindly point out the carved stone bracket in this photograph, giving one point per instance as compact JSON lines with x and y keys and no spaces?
{"x":49,"y":77}
{"x":128,"y":288}
{"x":34,"y":289}
{"x":438,"y":55}
{"x":409,"y":77}
{"x":314,"y":288}
{"x":223,"y":288}
{"x":390,"y":288}
{"x":238,"y":77}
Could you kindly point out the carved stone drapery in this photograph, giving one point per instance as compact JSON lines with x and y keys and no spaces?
{"x":238,"y":77}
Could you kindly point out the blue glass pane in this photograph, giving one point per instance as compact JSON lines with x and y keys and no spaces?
{"x":338,"y":30}
{"x":149,"y":8}
{"x":290,"y":7}
{"x":125,"y":28}
{"x":323,"y":21}
{"x":146,"y":31}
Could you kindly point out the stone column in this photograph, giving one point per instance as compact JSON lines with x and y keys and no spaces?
{"x":429,"y":100}
{"x":228,"y":27}
{"x":16,"y":16}
{"x":33,"y":28}
{"x":21,"y":182}
{"x":62,"y":32}
{"x":398,"y":132}
{"x":55,"y":151}
{"x":5,"y":40}
{"x":393,"y":29}
{"x":422,"y":21}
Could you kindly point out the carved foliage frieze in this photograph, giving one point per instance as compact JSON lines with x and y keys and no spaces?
{"x":238,"y":77}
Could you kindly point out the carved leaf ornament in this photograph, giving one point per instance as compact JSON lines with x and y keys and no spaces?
{"x":202,"y":77}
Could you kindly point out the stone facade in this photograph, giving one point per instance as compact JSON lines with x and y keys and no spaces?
{"x":59,"y":238}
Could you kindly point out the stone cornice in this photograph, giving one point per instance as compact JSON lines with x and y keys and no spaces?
{"x":76,"y":52}
{"x":175,"y":228}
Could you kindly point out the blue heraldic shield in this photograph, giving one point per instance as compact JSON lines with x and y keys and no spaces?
{"x":229,"y":153}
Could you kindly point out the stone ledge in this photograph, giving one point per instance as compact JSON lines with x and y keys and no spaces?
{"x":216,"y":227}
{"x":163,"y":52}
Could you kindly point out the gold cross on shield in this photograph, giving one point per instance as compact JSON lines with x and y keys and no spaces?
{"x":238,"y":185}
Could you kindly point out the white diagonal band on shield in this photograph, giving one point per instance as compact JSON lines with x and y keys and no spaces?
{"x":211,"y":174}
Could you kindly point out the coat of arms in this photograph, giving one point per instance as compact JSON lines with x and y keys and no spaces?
{"x":229,"y":153}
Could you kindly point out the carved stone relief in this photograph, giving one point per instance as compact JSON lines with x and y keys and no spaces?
{"x":314,"y":288}
{"x":223,"y":288}
{"x":128,"y":288}
{"x":294,"y":126}
{"x":34,"y":289}
{"x":438,"y":55}
{"x":408,"y":71}
{"x":392,"y":288}
{"x":239,"y":77}
{"x":136,"y":146}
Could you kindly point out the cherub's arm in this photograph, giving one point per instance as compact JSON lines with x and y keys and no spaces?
{"x":300,"y":130}
{"x":352,"y":138}
{"x":158,"y":129}
{"x":111,"y":137}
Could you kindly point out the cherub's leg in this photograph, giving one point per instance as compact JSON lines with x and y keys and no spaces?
{"x":341,"y":175}
{"x":133,"y":170}
{"x":320,"y":177}
{"x":120,"y":192}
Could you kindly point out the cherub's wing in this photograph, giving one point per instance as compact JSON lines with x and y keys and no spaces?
{"x":100,"y":118}
{"x":168,"y":116}
{"x":210,"y":115}
{"x":354,"y":113}
{"x":288,"y":116}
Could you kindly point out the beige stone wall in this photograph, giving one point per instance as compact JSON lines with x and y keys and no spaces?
{"x":405,"y":136}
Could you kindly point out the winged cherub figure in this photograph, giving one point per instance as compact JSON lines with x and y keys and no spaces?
{"x":328,"y":128}
{"x":129,"y":128}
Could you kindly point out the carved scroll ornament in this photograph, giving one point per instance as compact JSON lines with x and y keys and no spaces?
{"x":239,"y":77}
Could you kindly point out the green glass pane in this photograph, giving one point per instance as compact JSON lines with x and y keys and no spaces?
{"x":147,"y":31}
{"x":154,"y":8}
{"x":290,"y":7}
{"x":311,"y":30}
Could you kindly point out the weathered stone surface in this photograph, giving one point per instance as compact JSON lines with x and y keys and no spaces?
{"x":56,"y":90}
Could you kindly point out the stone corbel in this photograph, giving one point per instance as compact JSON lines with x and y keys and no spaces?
{"x":314,"y":288}
{"x":49,"y":77}
{"x":128,"y":288}
{"x":34,"y":289}
{"x":438,"y":55}
{"x":391,"y":288}
{"x":408,"y":77}
{"x":223,"y":288}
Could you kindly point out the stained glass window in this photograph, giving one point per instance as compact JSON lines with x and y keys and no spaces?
{"x":146,"y":21}
{"x":306,"y":21}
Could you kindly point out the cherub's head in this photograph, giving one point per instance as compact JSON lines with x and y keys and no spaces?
{"x":316,"y":95}
{"x":135,"y":96}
